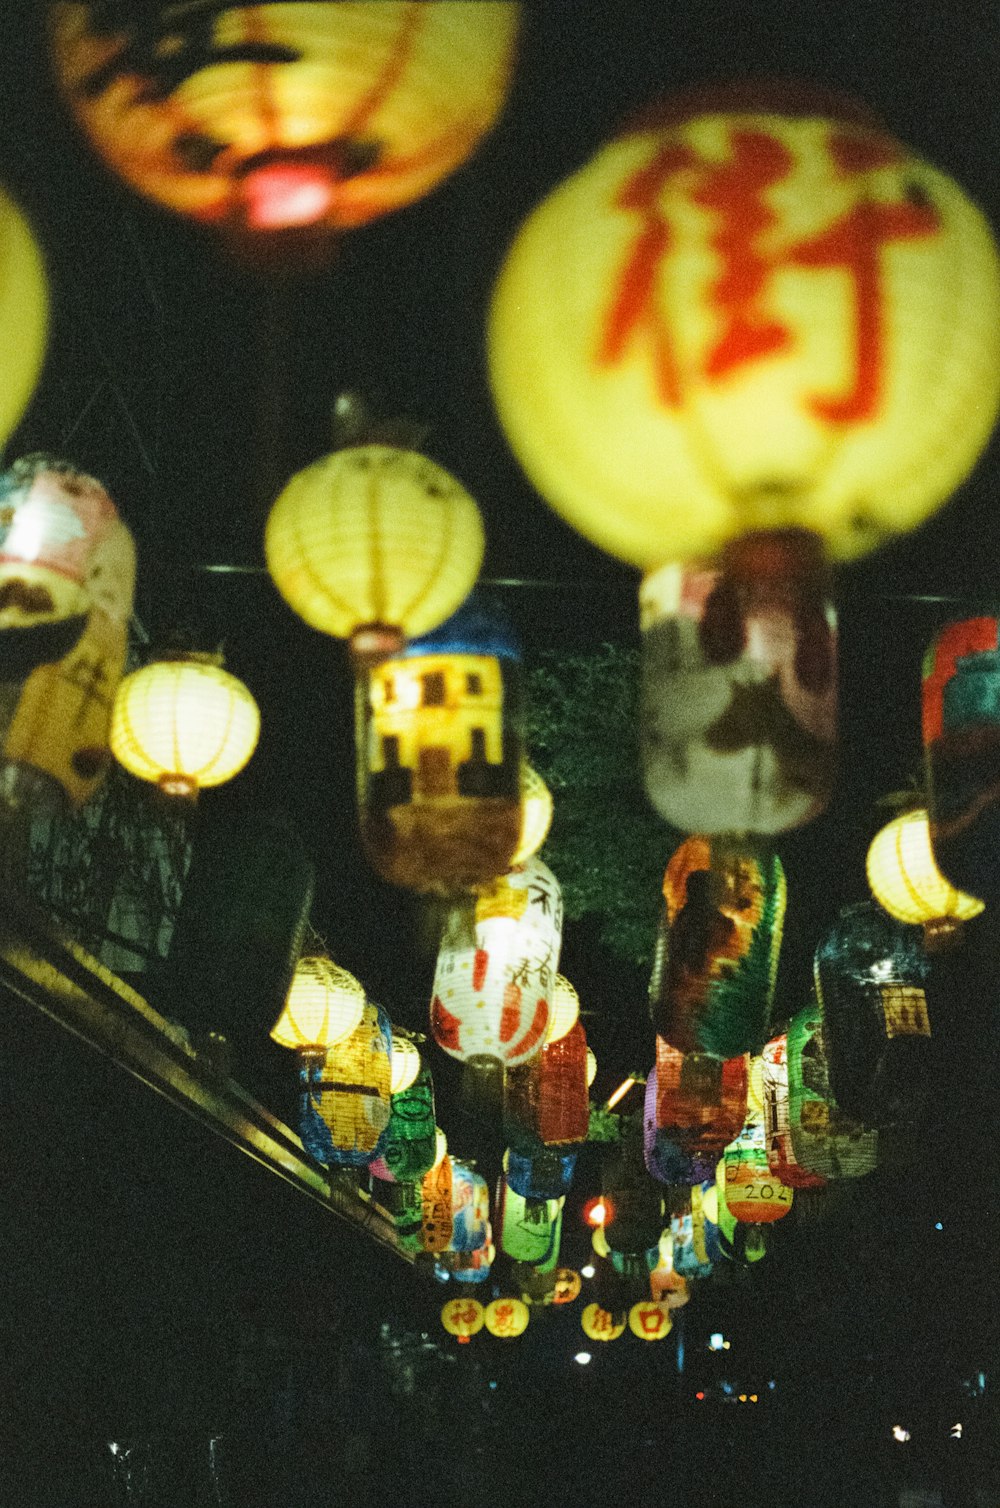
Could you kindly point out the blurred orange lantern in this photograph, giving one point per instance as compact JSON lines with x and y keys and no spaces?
{"x":507,"y":1318}
{"x":649,"y":1320}
{"x":463,"y":1317}
{"x":599,"y":1324}
{"x":275,"y":118}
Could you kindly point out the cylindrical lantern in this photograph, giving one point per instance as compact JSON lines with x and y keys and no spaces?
{"x":665,"y":1285}
{"x":323,"y":1006}
{"x":24,"y":309}
{"x":406,"y":1206}
{"x":345,"y":1093}
{"x":374,"y":543}
{"x":267,"y":119}
{"x":67,"y":578}
{"x":436,"y":1206}
{"x":438,"y":732}
{"x":825,"y":1140}
{"x":752,"y":310}
{"x":870,"y":972}
{"x":716,"y":961}
{"x":542,"y":1173}
{"x":496,"y":968}
{"x":536,"y":814}
{"x":738,"y":708}
{"x":781,"y":1159}
{"x":906,"y":881}
{"x":568,"y":1285}
{"x":530,"y":1229}
{"x":600,"y":1324}
{"x":701,"y":1101}
{"x":470,"y":1208}
{"x":475,"y":1266}
{"x":753,"y":1193}
{"x":546,"y":1103}
{"x":409,"y":1145}
{"x":507,"y":1318}
{"x":184,"y":723}
{"x":961,"y":732}
{"x":633,"y":1201}
{"x":667,"y":1160}
{"x":463,"y":1317}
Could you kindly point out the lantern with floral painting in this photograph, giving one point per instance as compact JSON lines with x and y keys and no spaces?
{"x":961,"y":734}
{"x":67,"y":578}
{"x":825,"y":1139}
{"x":870,"y":974}
{"x":781,"y":1159}
{"x":752,"y":310}
{"x":906,"y":881}
{"x":716,"y":958}
{"x":439,"y":748}
{"x":463,"y":1318}
{"x":344,"y":1099}
{"x":738,"y":706}
{"x":24,"y":311}
{"x":507,"y":1318}
{"x":408,"y":1148}
{"x":701,"y":1100}
{"x":496,"y":968}
{"x":284,"y":124}
{"x":753,"y":1194}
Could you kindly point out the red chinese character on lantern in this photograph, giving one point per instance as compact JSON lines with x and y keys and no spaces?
{"x":743,"y":236}
{"x":650,"y":1318}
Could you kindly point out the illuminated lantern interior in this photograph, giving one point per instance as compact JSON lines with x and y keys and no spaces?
{"x":323,"y":1005}
{"x":599,"y":1324}
{"x":506,"y":1318}
{"x":753,"y":1194}
{"x":906,"y":881}
{"x":565,"y":1010}
{"x":24,"y":310}
{"x":184,"y":724}
{"x":591,"y":1066}
{"x":536,"y":814}
{"x":650,"y":1320}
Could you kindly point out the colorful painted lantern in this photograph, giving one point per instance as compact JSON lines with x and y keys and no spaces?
{"x":67,"y":578}
{"x":753,"y":1194}
{"x":470,"y":1209}
{"x":738,"y":710}
{"x":409,"y":1144}
{"x":530,"y":1229}
{"x":436,"y":1206}
{"x":183,"y":723}
{"x":439,"y":755}
{"x":701,"y":1100}
{"x":324,"y":1005}
{"x":600,"y":1324}
{"x":345,"y":1094}
{"x":476,"y":1266}
{"x":824,"y":1138}
{"x":406,"y":1206}
{"x":507,"y":1318}
{"x":665,"y":1159}
{"x":751,"y":311}
{"x":781,"y":1159}
{"x":650,"y":1321}
{"x":906,"y":881}
{"x":665,"y":1285}
{"x":690,"y":1254}
{"x":536,"y":814}
{"x":543,"y":1173}
{"x":24,"y":311}
{"x":716,"y":960}
{"x":463,"y":1318}
{"x":373,"y":544}
{"x":496,"y":969}
{"x":870,"y":972}
{"x":272,"y":119}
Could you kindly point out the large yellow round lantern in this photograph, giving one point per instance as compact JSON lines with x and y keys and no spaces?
{"x":751,"y":311}
{"x":506,"y":1318}
{"x":463,"y":1317}
{"x":601,"y":1324}
{"x":374,"y":544}
{"x":24,"y":308}
{"x":323,"y":1006}
{"x":277,"y":117}
{"x":906,"y":881}
{"x":184,"y":723}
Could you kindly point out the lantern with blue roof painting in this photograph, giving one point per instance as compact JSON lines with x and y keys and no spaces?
{"x":345,"y":1093}
{"x":440,"y":749}
{"x":545,"y":1173}
{"x":470,"y":1208}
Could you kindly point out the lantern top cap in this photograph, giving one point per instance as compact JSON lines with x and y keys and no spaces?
{"x":762,"y":96}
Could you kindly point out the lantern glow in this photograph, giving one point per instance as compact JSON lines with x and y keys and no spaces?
{"x":906,"y":881}
{"x":24,"y":306}
{"x":323,"y":1006}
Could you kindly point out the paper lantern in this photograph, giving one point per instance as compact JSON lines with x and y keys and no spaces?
{"x":67,"y":579}
{"x":476,"y":1266}
{"x":507,"y":1318}
{"x":599,"y":1324}
{"x":690,"y":1255}
{"x":701,"y":1100}
{"x":667,"y":1160}
{"x":184,"y":724}
{"x":406,"y":1063}
{"x":436,"y":1206}
{"x":568,"y":1285}
{"x":542,"y":1173}
{"x":536,"y":814}
{"x":738,"y":701}
{"x":716,"y":959}
{"x":753,"y":1193}
{"x":753,"y":310}
{"x":591,"y":1066}
{"x":345,"y":1094}
{"x":373,"y":543}
{"x":545,"y":1100}
{"x":825,"y":1139}
{"x":24,"y":309}
{"x":409,"y":1145}
{"x":650,"y":1321}
{"x":633,"y":1200}
{"x":781,"y":1159}
{"x":323,"y":1006}
{"x":565,"y":1010}
{"x":463,"y":1317}
{"x":530,"y":1229}
{"x":906,"y":881}
{"x":665,"y":1285}
{"x":496,"y":969}
{"x":470,"y":1208}
{"x":267,"y":119}
{"x":439,"y":755}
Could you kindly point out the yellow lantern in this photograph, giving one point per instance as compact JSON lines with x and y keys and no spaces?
{"x":463,"y":1317}
{"x":751,"y":311}
{"x":24,"y":308}
{"x":405,"y":1063}
{"x":184,"y":723}
{"x":276,"y":117}
{"x":906,"y":881}
{"x":567,"y":1285}
{"x":506,"y":1318}
{"x":374,"y":543}
{"x":649,"y":1320}
{"x":565,"y":1010}
{"x":600,"y":1324}
{"x":536,"y":814}
{"x":591,"y":1066}
{"x":323,"y":1006}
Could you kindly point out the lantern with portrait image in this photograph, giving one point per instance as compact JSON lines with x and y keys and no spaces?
{"x":344,"y":1100}
{"x":439,"y":755}
{"x":824,"y":1138}
{"x":496,"y":969}
{"x":507,"y":1318}
{"x":753,"y":310}
{"x":781,"y":1159}
{"x":716,"y":960}
{"x":753,"y":1194}
{"x":281,"y":122}
{"x":906,"y":881}
{"x":24,"y":311}
{"x":701,"y":1102}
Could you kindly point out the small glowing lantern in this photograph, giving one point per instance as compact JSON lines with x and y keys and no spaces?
{"x":568,"y":1285}
{"x":752,"y":310}
{"x":345,"y":1093}
{"x":409,"y":1147}
{"x":324,"y":1005}
{"x":496,"y":969}
{"x":781,"y":1158}
{"x":67,"y":579}
{"x":271,"y":119}
{"x":591,"y":1066}
{"x":650,"y":1320}
{"x":701,"y":1100}
{"x":825,"y":1140}
{"x":753,"y":1194}
{"x":961,"y":732}
{"x":463,"y":1318}
{"x":24,"y":308}
{"x":373,"y":544}
{"x":716,"y":960}
{"x":738,"y":702}
{"x":599,"y":1324}
{"x":565,"y":1010}
{"x":439,"y":755}
{"x":507,"y":1318}
{"x":536,"y":814}
{"x":906,"y":881}
{"x":406,"y":1063}
{"x":184,"y":723}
